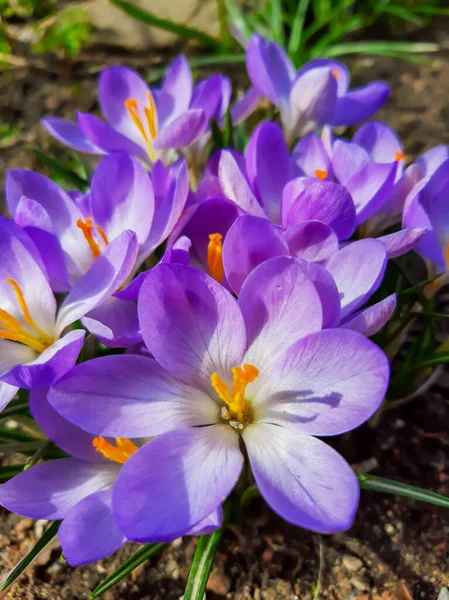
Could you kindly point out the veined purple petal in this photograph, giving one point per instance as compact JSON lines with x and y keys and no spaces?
{"x":347,"y":159}
{"x":312,"y":241}
{"x":280,"y":305}
{"x":371,"y":320}
{"x":115,"y":323}
{"x":176,"y":91}
{"x":269,"y":68}
{"x":50,"y":489}
{"x":402,"y":241}
{"x":268,"y":167}
{"x":182,"y":131}
{"x":325,"y":384}
{"x":311,"y":159}
{"x":88,"y":532}
{"x":129,"y":396}
{"x":303,"y":479}
{"x":108,"y":139}
{"x":69,"y":134}
{"x":327,"y":291}
{"x":212,"y":95}
{"x":360,"y":104}
{"x":371,"y":187}
{"x":249,"y":242}
{"x":355,"y":281}
{"x":191,"y":472}
{"x":235,"y":186}
{"x":190,"y":323}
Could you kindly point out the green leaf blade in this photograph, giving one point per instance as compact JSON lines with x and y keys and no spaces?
{"x":202,"y":565}
{"x":389,"y":486}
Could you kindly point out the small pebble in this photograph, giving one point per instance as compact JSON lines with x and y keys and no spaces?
{"x":444,"y":594}
{"x":352,"y":563}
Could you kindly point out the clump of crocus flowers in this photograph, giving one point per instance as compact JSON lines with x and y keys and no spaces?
{"x":236,"y":287}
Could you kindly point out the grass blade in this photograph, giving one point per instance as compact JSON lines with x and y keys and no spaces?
{"x":294,"y":44}
{"x":202,"y":565}
{"x":9,"y":471}
{"x":61,"y":171}
{"x":46,"y":537}
{"x":182,"y":31}
{"x":389,"y":486}
{"x":383,"y":48}
{"x":277,"y":26}
{"x":125,"y":569}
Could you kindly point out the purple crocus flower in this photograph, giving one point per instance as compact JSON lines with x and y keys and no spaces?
{"x":316,"y":95}
{"x":148,"y":123}
{"x":72,"y":233}
{"x":77,"y":489}
{"x":258,"y":371}
{"x":34,"y":348}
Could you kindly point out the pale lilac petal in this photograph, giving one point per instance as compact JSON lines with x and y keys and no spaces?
{"x":88,"y":532}
{"x":371,"y":320}
{"x":192,"y":472}
{"x":245,"y":106}
{"x":235,"y":186}
{"x":269,"y":68}
{"x":211,"y":523}
{"x":358,"y":270}
{"x":108,"y":139}
{"x":312,"y":241}
{"x":176,"y":91}
{"x":106,"y":275}
{"x":51,"y":365}
{"x":303,"y":479}
{"x":280,"y":305}
{"x":212,"y":95}
{"x":50,"y":489}
{"x":122,"y":197}
{"x":12,"y":354}
{"x":360,"y":104}
{"x":327,"y":291}
{"x":249,"y":242}
{"x":338,"y":69}
{"x":7,"y":393}
{"x":64,"y":434}
{"x":323,"y":201}
{"x":190,"y":323}
{"x":431,"y":160}
{"x":129,"y":396}
{"x":311,"y":158}
{"x":402,"y":241}
{"x":178,"y":252}
{"x":347,"y":159}
{"x":182,"y":131}
{"x":326,"y":384}
{"x":380,"y":141}
{"x":268,"y":167}
{"x":69,"y":134}
{"x":115,"y":323}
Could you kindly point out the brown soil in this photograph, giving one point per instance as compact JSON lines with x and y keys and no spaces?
{"x":397,"y":549}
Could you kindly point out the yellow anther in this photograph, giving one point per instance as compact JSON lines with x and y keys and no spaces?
{"x":87,"y":227}
{"x":119,"y":453}
{"x":215,"y":256}
{"x":321,"y":173}
{"x":238,"y":407}
{"x":398,"y":156}
{"x":132,"y":106}
{"x":336,"y":73}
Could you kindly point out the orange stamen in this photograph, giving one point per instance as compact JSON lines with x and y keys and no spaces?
{"x":132,"y":107}
{"x":446,"y":255}
{"x":87,"y":227}
{"x":398,"y":156}
{"x":336,"y":73}
{"x":321,"y":173}
{"x":236,"y":403}
{"x":215,"y":256}
{"x":119,"y":453}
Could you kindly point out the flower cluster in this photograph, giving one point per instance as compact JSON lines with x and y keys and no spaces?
{"x":235,"y":289}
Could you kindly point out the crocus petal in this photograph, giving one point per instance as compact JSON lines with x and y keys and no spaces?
{"x":327,"y":383}
{"x":190,"y":323}
{"x":327,"y":291}
{"x":371,"y":320}
{"x":245,"y":106}
{"x":360,"y":104}
{"x":431,"y":160}
{"x":69,"y":134}
{"x":176,"y":91}
{"x":115,"y":323}
{"x":129,"y":396}
{"x":49,"y":490}
{"x":379,"y":140}
{"x":355,"y":282}
{"x":370,"y":188}
{"x":212,"y":95}
{"x":280,"y":305}
{"x":108,"y":139}
{"x":7,"y":393}
{"x":235,"y":186}
{"x":88,"y":532}
{"x":402,"y":241}
{"x":49,"y":366}
{"x":192,"y":472}
{"x":311,"y":158}
{"x":122,"y":197}
{"x":322,"y":201}
{"x":178,"y":252}
{"x":269,"y":68}
{"x":64,"y":434}
{"x":211,"y":523}
{"x":249,"y":242}
{"x":108,"y":272}
{"x":312,"y":241}
{"x":303,"y":479}
{"x":338,"y":69}
{"x":347,"y":159}
{"x":268,"y":167}
{"x":182,"y":131}
{"x":12,"y":354}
